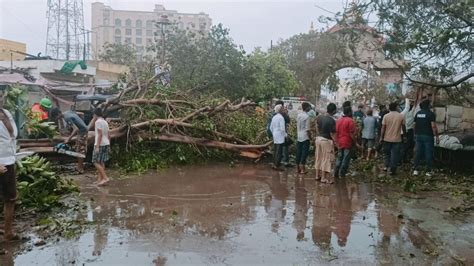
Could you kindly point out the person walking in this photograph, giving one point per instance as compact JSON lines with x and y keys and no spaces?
{"x":79,"y":128}
{"x":393,"y":125}
{"x":101,"y":146}
{"x":425,"y":131}
{"x":324,"y":153}
{"x":369,"y":129}
{"x":8,"y":134}
{"x":346,"y":136}
{"x":278,"y":129}
{"x":303,"y":126}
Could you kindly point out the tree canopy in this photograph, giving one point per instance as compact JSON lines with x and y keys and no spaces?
{"x":435,"y":35}
{"x":118,"y":54}
{"x":213,"y":62}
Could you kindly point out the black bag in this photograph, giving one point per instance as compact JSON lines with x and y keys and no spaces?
{"x":288,"y":141}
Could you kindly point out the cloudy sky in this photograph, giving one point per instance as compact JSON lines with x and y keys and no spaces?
{"x":251,"y":23}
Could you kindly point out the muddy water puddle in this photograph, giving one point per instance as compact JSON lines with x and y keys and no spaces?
{"x":250,"y":215}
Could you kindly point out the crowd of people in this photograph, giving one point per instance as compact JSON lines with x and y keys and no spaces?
{"x":44,"y":111}
{"x":394,"y":133}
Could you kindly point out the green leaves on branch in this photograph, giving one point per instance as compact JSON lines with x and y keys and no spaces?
{"x":39,"y":187}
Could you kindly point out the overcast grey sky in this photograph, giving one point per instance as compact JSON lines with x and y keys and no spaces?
{"x":251,"y":23}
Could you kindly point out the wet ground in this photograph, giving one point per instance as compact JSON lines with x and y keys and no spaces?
{"x":251,"y":215}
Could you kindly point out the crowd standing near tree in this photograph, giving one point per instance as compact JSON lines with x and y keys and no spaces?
{"x":335,"y":141}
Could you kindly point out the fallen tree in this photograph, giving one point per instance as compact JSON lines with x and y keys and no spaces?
{"x":152,"y":112}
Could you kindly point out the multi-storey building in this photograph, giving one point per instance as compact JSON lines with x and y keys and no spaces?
{"x":139,"y":28}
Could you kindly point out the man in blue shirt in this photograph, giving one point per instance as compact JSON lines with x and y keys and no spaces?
{"x":79,"y":128}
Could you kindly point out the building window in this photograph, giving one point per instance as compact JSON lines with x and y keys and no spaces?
{"x":106,"y":21}
{"x":139,"y":49}
{"x":118,"y":32}
{"x":128,"y":23}
{"x":118,"y":22}
{"x":128,"y":40}
{"x":138,"y":41}
{"x":138,"y":23}
{"x":149,"y":32}
{"x":149,"y":24}
{"x":138,"y":32}
{"x":128,"y":31}
{"x":118,"y":40}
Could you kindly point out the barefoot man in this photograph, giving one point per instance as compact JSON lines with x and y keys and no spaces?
{"x":101,"y":146}
{"x":8,"y":134}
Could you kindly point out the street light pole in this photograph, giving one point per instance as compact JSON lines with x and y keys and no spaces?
{"x":163,"y":22}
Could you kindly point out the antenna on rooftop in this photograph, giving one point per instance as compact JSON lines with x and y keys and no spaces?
{"x":65,"y":37}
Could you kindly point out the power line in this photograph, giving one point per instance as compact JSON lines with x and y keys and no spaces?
{"x":322,"y":8}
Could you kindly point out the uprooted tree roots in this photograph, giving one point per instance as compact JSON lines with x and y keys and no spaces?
{"x":149,"y":111}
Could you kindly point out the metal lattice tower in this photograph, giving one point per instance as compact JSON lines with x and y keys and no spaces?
{"x":65,"y":37}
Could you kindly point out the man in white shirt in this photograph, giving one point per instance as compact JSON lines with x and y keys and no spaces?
{"x":101,"y":146}
{"x":303,"y":123}
{"x":8,"y":134}
{"x":278,"y":129}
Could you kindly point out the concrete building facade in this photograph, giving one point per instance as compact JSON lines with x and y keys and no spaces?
{"x":11,"y":50}
{"x":138,"y":28}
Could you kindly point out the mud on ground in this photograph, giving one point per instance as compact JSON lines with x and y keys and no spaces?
{"x":248,"y":214}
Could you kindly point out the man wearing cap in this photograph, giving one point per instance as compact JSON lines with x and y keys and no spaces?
{"x":40,"y":111}
{"x":8,"y":134}
{"x":278,"y":129}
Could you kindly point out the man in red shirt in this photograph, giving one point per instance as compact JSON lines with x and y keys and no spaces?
{"x":345,"y":137}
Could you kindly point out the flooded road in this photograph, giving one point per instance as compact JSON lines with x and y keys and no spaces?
{"x":249,"y":215}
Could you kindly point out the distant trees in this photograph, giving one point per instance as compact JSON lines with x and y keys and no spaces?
{"x":314,"y":57}
{"x":214,"y":63}
{"x":118,"y":54}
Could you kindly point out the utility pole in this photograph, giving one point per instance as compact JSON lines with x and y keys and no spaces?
{"x":163,"y":23}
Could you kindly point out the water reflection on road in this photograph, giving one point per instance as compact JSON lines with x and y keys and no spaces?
{"x":242,"y":215}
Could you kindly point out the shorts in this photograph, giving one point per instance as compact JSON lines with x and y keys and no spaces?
{"x":81,"y":144}
{"x":369,"y":143}
{"x":102,"y":155}
{"x":8,"y":184}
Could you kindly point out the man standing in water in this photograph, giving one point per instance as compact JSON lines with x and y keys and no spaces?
{"x":393,"y":124}
{"x":101,"y":146}
{"x":8,"y":134}
{"x":278,"y":129}
{"x":302,"y":146}
{"x":324,"y":157}
{"x":346,"y":131}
